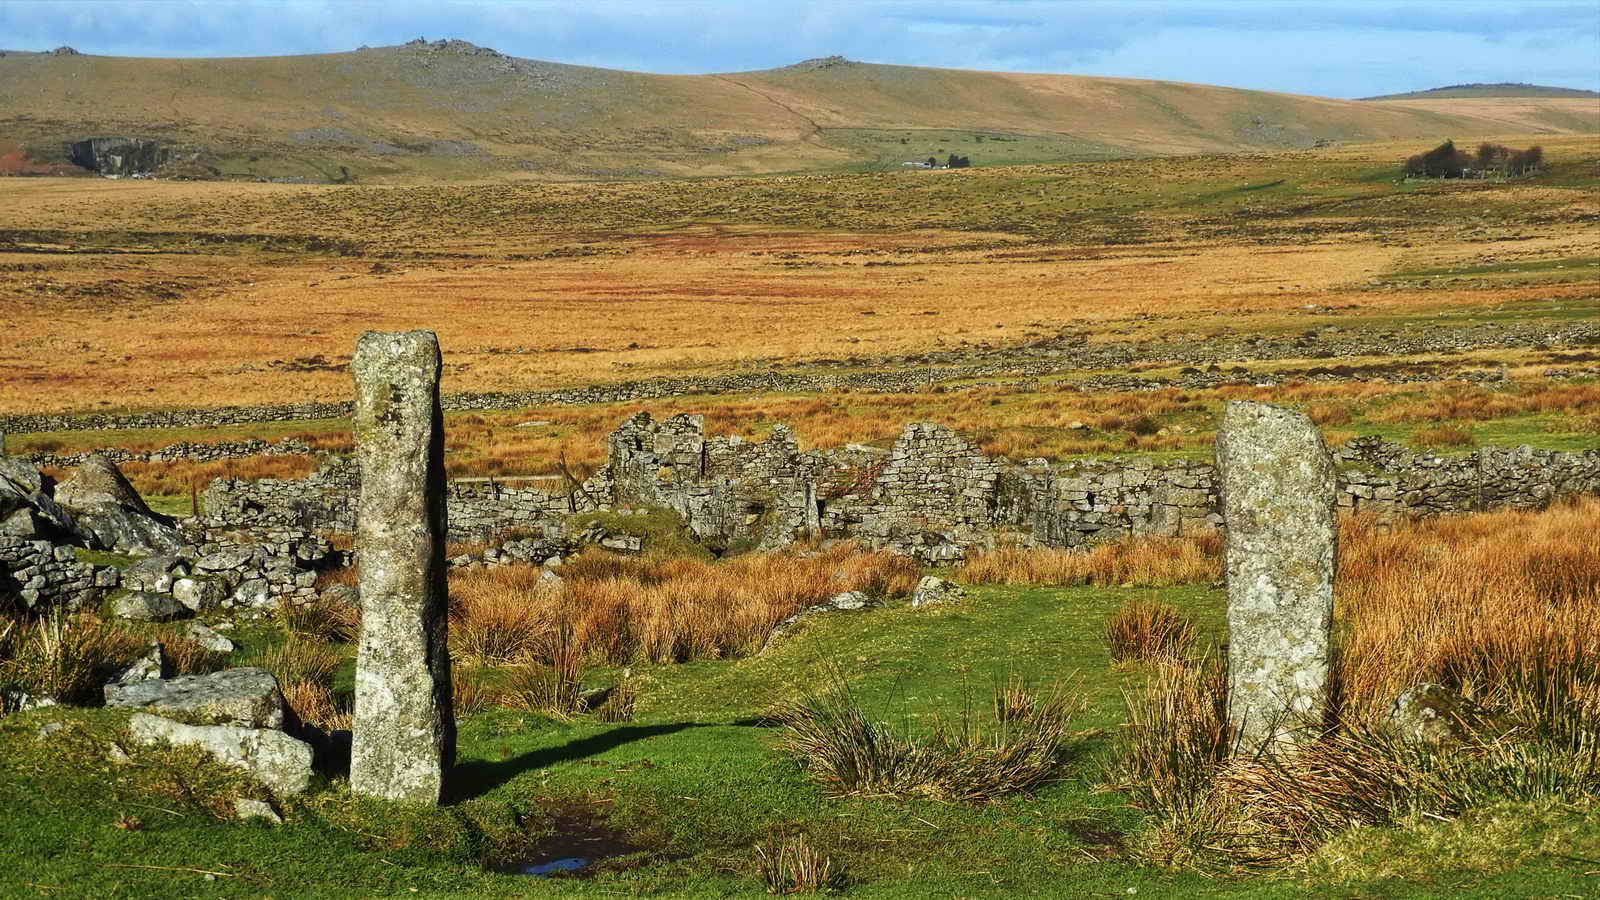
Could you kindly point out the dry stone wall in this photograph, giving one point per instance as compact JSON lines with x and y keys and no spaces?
{"x":932,"y":495}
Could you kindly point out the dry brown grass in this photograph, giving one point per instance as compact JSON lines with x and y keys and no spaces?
{"x":1484,"y":603}
{"x":1502,"y":607}
{"x":780,"y":284}
{"x":1132,"y":561}
{"x":663,"y":610}
{"x":1147,"y":631}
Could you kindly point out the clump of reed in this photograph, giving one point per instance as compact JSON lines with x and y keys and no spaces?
{"x":1148,"y":631}
{"x":656,"y":608}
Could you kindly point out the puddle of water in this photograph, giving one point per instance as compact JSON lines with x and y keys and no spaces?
{"x":580,"y":841}
{"x":556,"y":866}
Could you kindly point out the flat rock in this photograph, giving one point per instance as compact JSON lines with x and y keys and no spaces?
{"x":1432,"y":714}
{"x":224,"y":560}
{"x":273,"y":758}
{"x":152,"y":665}
{"x":247,"y":697}
{"x":245,"y":809}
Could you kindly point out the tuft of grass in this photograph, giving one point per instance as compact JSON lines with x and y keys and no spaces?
{"x":300,"y":659}
{"x":959,"y":759}
{"x":791,"y":865}
{"x":1176,"y":737}
{"x":1147,"y":631}
{"x":1132,"y":561}
{"x":656,"y":608}
{"x":63,"y":656}
{"x":320,"y":619}
{"x":1444,"y":436}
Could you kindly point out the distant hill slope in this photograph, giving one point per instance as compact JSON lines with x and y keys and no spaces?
{"x":449,"y":109}
{"x":1503,"y":89}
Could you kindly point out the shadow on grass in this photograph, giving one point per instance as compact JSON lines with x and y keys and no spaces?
{"x":475,"y":778}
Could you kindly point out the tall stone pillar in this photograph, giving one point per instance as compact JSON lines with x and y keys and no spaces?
{"x":1279,"y":502}
{"x":404,"y":728}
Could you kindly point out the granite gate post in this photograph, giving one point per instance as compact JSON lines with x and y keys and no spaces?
{"x":1278,"y":501}
{"x":404,"y":724}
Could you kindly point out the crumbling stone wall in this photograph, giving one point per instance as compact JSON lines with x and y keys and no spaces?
{"x":932,"y":495}
{"x":325,"y":501}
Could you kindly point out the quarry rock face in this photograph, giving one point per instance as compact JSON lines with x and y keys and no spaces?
{"x":120,"y":156}
{"x":404,"y":724}
{"x":1278,"y":501}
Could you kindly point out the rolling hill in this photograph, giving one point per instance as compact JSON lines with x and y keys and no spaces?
{"x":1502,"y":89}
{"x":450,"y":109}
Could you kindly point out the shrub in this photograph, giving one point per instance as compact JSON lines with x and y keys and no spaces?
{"x":1146,"y":631}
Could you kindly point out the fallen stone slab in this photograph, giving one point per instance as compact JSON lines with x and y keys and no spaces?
{"x":271,"y":757}
{"x":248,"y":697}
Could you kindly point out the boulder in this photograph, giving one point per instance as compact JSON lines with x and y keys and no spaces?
{"x":152,"y":665}
{"x":208,"y":638}
{"x":25,"y":504}
{"x":1431,"y":714}
{"x":247,"y":697}
{"x":199,"y":594}
{"x":143,"y":606}
{"x":254,"y":593}
{"x":849,"y":601}
{"x":933,"y":591}
{"x":108,"y":510}
{"x":271,"y":757}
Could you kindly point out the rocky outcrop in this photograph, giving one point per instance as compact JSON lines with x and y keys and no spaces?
{"x":119,"y":156}
{"x":111,"y":514}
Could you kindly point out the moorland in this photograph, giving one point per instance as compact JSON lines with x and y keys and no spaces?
{"x":1108,"y":306}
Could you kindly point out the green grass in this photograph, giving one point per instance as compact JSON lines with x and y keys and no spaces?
{"x":695,"y":780}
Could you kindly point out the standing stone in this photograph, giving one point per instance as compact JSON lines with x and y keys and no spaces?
{"x":1278,"y":500}
{"x":404,"y":722}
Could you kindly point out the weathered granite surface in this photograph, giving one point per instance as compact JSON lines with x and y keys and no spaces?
{"x":404,"y":723}
{"x":1281,"y":555}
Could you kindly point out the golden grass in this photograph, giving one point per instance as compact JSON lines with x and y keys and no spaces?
{"x":1132,"y":561}
{"x":662,"y":610}
{"x":778,"y":264}
{"x":1481,"y":603}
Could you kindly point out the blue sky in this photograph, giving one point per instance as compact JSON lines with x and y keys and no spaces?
{"x":1337,"y":49}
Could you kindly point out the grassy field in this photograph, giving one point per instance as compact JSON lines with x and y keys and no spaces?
{"x":682,"y":793}
{"x":216,"y":293}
